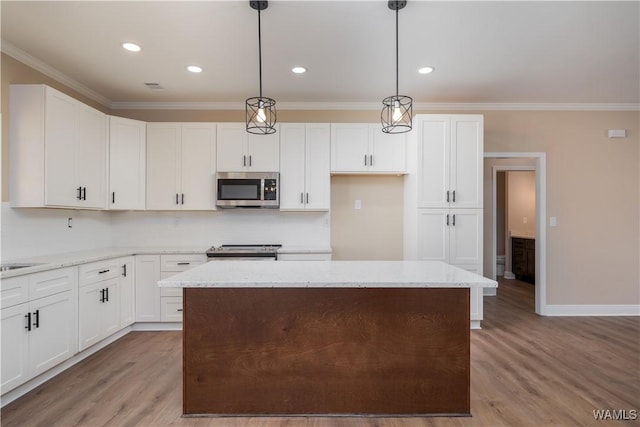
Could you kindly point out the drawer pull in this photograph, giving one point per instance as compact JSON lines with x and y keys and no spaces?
{"x":103,"y":271}
{"x":179,"y":309}
{"x":184,"y":263}
{"x":36,"y":323}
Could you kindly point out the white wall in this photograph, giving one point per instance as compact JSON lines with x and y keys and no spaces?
{"x":34,"y":232}
{"x":226,"y":226}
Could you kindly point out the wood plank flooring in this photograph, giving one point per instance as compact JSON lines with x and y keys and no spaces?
{"x":526,"y":370}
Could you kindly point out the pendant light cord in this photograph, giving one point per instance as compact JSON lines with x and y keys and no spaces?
{"x":397,"y":91}
{"x":260,"y":52}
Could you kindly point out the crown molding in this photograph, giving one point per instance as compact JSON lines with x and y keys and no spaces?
{"x":365,"y":106}
{"x":31,"y":61}
{"x":47,"y":70}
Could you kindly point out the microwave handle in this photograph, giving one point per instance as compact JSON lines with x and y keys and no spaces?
{"x":261,"y":188}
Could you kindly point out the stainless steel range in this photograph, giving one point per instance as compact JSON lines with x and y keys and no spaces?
{"x":243,"y":253}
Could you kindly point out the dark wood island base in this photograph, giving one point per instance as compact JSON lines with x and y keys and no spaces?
{"x":338,"y":351}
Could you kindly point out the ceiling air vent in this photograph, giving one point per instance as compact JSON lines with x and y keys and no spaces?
{"x":154,"y":86}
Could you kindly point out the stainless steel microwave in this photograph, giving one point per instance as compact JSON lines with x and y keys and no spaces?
{"x":248,"y":190}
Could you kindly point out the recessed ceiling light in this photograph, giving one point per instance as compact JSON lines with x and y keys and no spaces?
{"x":194,"y":69}
{"x":132,"y":47}
{"x":425,"y":70}
{"x":299,"y":70}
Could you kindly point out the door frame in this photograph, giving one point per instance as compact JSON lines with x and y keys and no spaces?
{"x":541,"y":219}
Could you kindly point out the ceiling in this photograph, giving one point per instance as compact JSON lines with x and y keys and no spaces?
{"x":502,"y":52}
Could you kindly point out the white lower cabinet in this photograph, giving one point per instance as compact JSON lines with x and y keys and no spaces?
{"x":171,"y":298}
{"x":102,"y":307}
{"x":127,"y":292}
{"x":41,"y":333}
{"x":155,"y":304}
{"x":99,"y":312}
{"x":147,"y":298}
{"x":454,"y":236}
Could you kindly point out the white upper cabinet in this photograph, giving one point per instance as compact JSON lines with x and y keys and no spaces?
{"x":127,"y":148}
{"x":239,"y":151}
{"x":58,"y":150}
{"x":450,"y":150}
{"x":181,"y":166}
{"x":305,"y":178}
{"x":364,"y":148}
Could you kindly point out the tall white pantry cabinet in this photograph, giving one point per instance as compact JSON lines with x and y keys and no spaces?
{"x":444,"y":199}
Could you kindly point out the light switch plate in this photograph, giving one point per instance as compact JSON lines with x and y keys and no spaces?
{"x":553,"y":221}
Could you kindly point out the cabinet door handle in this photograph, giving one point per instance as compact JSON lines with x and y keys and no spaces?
{"x":447,"y":196}
{"x":28,"y":317}
{"x":307,"y":198}
{"x":103,"y":271}
{"x":249,"y":160}
{"x":184,"y":263}
{"x":113,"y":197}
{"x":183,"y":198}
{"x":84,"y":193}
{"x":124,"y":270}
{"x":454,"y":196}
{"x":447,"y":220}
{"x":454,"y":220}
{"x":301,"y":198}
{"x":244,"y":160}
{"x":177,"y":199}
{"x":106,"y":291}
{"x":371,"y":160}
{"x":36,"y":322}
{"x":101,"y":295}
{"x":79,"y":196}
{"x":365,"y":160}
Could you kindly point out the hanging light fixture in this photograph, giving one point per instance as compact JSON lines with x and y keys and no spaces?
{"x":397,"y":109}
{"x":260,"y":110}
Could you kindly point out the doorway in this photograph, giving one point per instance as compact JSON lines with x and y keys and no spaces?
{"x":511,"y":162}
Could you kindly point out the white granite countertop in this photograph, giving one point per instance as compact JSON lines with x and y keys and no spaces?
{"x":69,"y":259}
{"x":327,"y":274}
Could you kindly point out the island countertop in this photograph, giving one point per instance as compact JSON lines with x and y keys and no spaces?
{"x":327,"y":274}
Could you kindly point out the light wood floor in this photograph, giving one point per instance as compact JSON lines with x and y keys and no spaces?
{"x":526,"y":371}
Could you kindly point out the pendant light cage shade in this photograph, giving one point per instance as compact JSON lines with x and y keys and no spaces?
{"x":260,"y":111}
{"x":397,"y":111}
{"x":261,"y":115}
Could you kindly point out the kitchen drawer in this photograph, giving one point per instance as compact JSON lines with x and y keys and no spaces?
{"x":171,"y":292}
{"x":98,"y":271}
{"x":14,"y":290}
{"x":181,"y":262}
{"x":171,"y":309}
{"x":52,"y":282}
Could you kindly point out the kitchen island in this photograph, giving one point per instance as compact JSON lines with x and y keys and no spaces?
{"x":326,"y":337}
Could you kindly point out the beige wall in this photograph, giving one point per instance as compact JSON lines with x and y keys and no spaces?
{"x":521,"y":203}
{"x":373,"y":232}
{"x":593,"y":184}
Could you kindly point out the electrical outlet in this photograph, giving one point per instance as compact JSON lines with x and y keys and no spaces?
{"x":358,"y":204}
{"x":553,"y":222}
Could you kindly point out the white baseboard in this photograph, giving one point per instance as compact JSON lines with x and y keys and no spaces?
{"x":490,"y":292}
{"x":157,"y":326}
{"x":475,"y":324}
{"x":509,"y":275}
{"x":592,"y":310}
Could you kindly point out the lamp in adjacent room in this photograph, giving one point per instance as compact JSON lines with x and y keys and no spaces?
{"x":397,"y":109}
{"x":260,"y":110}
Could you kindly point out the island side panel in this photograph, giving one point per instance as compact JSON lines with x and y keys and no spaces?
{"x":326,"y":351}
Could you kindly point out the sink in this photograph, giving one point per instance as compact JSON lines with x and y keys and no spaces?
{"x":17,"y":265}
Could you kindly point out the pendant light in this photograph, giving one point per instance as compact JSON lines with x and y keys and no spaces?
{"x":397,"y":109}
{"x":260,"y":110}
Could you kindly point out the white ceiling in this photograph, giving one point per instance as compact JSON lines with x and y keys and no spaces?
{"x":540,"y":52}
